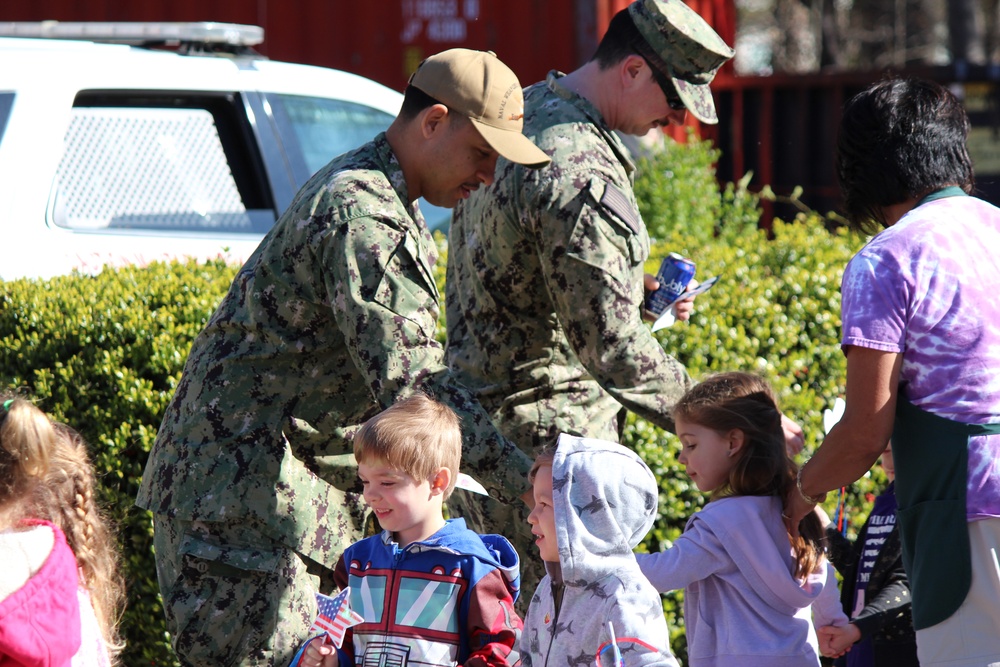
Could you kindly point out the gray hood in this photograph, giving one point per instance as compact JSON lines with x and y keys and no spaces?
{"x":599,"y":521}
{"x":604,"y":499}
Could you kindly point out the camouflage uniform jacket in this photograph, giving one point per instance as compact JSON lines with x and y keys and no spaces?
{"x":545,"y":285}
{"x":329,"y":321}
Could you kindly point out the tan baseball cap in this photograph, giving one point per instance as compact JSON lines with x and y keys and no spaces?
{"x":684,"y":47}
{"x":477,"y":85}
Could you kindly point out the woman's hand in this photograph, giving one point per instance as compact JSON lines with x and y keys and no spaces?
{"x":796,"y":508}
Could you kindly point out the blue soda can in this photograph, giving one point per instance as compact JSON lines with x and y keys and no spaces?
{"x":674,"y":275}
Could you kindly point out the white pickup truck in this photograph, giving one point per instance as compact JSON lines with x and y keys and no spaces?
{"x":131,"y":142}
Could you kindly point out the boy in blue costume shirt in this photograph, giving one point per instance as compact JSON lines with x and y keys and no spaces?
{"x":431,"y":592}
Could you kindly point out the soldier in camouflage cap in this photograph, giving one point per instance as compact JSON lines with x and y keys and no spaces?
{"x":545,"y":269}
{"x":683,"y":50}
{"x":251,"y":479}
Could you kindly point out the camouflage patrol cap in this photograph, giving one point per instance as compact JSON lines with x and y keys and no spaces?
{"x":685,"y":48}
{"x":477,"y":85}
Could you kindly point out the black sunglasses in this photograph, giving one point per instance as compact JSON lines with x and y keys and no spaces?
{"x":674,"y":100}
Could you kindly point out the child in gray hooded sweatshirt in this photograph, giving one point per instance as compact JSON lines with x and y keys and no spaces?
{"x":594,"y":502}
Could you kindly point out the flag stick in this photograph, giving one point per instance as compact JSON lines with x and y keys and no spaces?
{"x":614,"y":643}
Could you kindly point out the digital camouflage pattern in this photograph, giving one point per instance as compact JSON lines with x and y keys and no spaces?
{"x":545,"y":286}
{"x":544,"y":298}
{"x":329,"y":322}
{"x":249,"y":603}
{"x":684,"y":48}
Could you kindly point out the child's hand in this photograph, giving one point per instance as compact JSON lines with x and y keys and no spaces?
{"x":320,"y":653}
{"x":824,"y":518}
{"x":795,"y":438}
{"x":835,"y":641}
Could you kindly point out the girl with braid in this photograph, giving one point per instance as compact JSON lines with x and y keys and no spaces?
{"x":60,"y":592}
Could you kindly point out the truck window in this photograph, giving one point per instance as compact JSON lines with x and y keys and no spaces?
{"x":158,"y":162}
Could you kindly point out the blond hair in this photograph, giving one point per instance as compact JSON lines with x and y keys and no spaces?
{"x":27,"y":439}
{"x":546,"y":457}
{"x":416,"y":435}
{"x":45,"y":473}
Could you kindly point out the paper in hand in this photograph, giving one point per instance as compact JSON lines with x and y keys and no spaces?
{"x":669,"y":316}
{"x":831,"y":417}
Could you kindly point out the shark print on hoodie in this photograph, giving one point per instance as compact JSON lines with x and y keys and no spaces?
{"x":605,"y":501}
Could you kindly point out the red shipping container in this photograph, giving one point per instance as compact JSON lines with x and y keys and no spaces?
{"x":384,"y":40}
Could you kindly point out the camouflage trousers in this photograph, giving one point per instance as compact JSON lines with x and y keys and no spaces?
{"x":488,"y":515}
{"x":233,"y":596}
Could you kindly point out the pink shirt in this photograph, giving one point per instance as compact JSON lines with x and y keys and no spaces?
{"x":40,"y":622}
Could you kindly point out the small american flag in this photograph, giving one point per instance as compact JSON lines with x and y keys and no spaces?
{"x":335,"y":616}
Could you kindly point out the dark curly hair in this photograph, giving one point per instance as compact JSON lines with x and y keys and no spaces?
{"x":900,"y":139}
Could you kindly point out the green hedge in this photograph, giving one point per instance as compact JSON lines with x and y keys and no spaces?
{"x":104,"y":352}
{"x":775,"y":311}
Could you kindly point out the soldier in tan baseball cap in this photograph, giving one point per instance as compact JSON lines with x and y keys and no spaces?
{"x":461,"y":110}
{"x":344,"y":311}
{"x":480,"y":87}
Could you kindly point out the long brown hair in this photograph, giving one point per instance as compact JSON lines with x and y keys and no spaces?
{"x":45,"y":473}
{"x":735,"y":400}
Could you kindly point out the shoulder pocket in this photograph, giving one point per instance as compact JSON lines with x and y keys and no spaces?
{"x":618,"y":203}
{"x":625,"y":226}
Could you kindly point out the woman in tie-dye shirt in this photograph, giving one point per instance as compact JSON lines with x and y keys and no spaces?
{"x":921,"y":319}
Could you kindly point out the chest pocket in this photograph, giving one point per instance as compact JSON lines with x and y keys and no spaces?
{"x":623,"y":219}
{"x":407,"y":287}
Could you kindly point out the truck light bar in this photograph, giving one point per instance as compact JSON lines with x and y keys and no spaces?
{"x":232,"y":34}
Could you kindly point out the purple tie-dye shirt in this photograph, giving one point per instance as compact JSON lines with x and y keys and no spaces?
{"x":929,"y":287}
